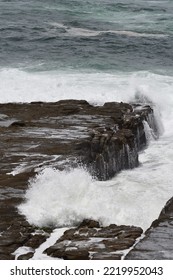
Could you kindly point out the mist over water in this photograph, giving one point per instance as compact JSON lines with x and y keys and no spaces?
{"x":99,"y":51}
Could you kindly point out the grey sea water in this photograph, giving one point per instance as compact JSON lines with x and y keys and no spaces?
{"x":100,"y":35}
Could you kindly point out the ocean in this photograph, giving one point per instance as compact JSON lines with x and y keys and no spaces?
{"x":100,"y":51}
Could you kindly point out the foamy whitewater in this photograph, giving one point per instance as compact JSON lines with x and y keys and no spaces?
{"x":133,"y":197}
{"x":99,"y":51}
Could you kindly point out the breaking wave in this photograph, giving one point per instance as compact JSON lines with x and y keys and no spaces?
{"x":61,"y":198}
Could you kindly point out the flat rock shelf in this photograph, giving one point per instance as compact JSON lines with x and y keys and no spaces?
{"x":67,"y":134}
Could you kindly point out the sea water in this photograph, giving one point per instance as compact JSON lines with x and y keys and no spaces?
{"x":100,"y":51}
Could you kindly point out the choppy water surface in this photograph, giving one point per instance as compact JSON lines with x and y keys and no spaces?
{"x":103,"y":35}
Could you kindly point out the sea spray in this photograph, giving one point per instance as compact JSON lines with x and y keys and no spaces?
{"x":97,"y":88}
{"x":58,"y":198}
{"x":135,"y":197}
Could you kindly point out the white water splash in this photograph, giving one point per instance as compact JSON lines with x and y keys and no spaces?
{"x":132,"y":197}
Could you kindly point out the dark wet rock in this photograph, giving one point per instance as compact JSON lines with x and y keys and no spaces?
{"x":94,"y":242}
{"x":26,"y":256}
{"x":105,"y":139}
{"x":64,"y":134}
{"x":68,"y":253}
{"x":75,"y":254}
{"x":15,"y":231}
{"x":36,"y":240}
{"x":167,"y":212}
{"x":6,"y":256}
{"x":17,"y":124}
{"x":157,"y":243}
{"x":89,"y":224}
{"x":106,"y":256}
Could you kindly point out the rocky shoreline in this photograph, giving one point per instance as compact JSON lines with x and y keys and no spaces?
{"x":66,"y":134}
{"x":157,"y":243}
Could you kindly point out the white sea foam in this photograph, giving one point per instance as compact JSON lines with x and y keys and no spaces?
{"x":22,"y":251}
{"x":135,"y":34}
{"x":132,"y":197}
{"x":20,"y":86}
{"x":96,"y":88}
{"x":55,"y":235}
{"x":84,"y":32}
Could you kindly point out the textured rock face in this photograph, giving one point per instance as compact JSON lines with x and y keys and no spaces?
{"x":158,"y":241}
{"x":105,"y":139}
{"x":91,"y":241}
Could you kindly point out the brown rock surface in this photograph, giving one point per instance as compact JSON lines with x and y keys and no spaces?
{"x":94,"y":242}
{"x":105,"y":139}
